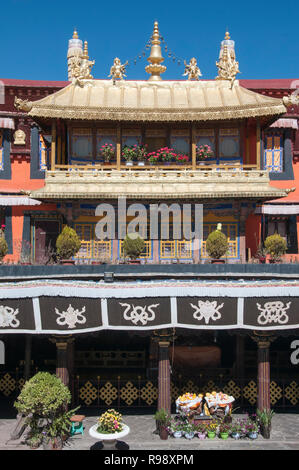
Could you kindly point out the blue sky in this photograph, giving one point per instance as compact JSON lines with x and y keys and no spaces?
{"x":35,"y":36}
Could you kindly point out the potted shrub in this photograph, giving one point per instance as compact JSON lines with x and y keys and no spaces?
{"x":163,"y":422}
{"x":182,"y":159}
{"x":264,"y":418}
{"x":43,"y":399}
{"x":141,"y":154}
{"x":202,"y":153}
{"x":133,"y":246}
{"x":107,"y":152}
{"x":275,"y":246}
{"x":67,"y":245}
{"x":3,"y":247}
{"x":130,"y":154}
{"x":217,"y":245}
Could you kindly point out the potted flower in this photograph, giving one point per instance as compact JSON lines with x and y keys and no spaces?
{"x":177,"y":427}
{"x":275,"y":246}
{"x":107,"y":152}
{"x":166,"y":155}
{"x":182,"y":159}
{"x":133,"y":246}
{"x":261,"y":254}
{"x":236,"y":429}
{"x":163,"y":421}
{"x":212,"y":429}
{"x":201,"y":430}
{"x":189,"y":430}
{"x":153,"y":158}
{"x":217,"y":245}
{"x":141,"y":154}
{"x":224,"y":430}
{"x":252,"y":429}
{"x":67,"y":245}
{"x":264,"y":418}
{"x":203,"y":152}
{"x":110,"y":422}
{"x":130,"y":154}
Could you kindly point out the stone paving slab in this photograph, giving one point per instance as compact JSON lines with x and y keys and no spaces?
{"x":284,"y":436}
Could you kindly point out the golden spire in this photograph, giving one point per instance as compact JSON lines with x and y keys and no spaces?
{"x":85,"y":51}
{"x":155,"y":68}
{"x":227,"y":36}
{"x":75,"y":34}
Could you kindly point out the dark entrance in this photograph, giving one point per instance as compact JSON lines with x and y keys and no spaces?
{"x":46,"y":233}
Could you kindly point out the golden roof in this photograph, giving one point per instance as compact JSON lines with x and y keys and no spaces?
{"x":155,"y":101}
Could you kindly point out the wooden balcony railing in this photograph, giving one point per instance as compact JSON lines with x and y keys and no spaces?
{"x":206,"y":167}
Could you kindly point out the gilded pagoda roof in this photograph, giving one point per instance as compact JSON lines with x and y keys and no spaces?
{"x":154,"y":101}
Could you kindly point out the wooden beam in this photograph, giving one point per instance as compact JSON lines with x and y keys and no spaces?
{"x":258,"y":144}
{"x":118,"y":147}
{"x":193,"y":148}
{"x":53,"y":146}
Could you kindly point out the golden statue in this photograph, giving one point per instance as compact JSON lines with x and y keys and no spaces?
{"x":80,"y":66}
{"x":118,"y":70}
{"x":192,"y":70}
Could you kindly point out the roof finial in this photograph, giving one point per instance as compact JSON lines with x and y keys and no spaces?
{"x":155,"y":68}
{"x":227,"y":36}
{"x":227,"y":66}
{"x":75,"y":34}
{"x":85,"y":51}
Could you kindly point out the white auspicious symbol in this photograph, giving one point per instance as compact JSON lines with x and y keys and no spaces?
{"x":273,"y":312}
{"x":139,"y":313}
{"x":70,"y":317}
{"x":8,"y":317}
{"x":207,"y":310}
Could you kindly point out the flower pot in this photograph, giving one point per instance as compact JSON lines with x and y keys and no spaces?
{"x":163,"y":433}
{"x":211,"y":435}
{"x":67,"y":262}
{"x":201,"y":436}
{"x":224,"y":435}
{"x":141,"y":163}
{"x":189,"y":435}
{"x":129,"y":163}
{"x":177,"y":434}
{"x":265,"y":431}
{"x":236,"y":435}
{"x":253,"y":435}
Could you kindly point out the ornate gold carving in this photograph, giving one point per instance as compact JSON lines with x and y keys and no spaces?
{"x":117,"y":70}
{"x":227,"y":66}
{"x":192,"y":70}
{"x":88,"y":393}
{"x":7,"y":384}
{"x":275,"y":393}
{"x":155,"y":68}
{"x":232,"y":389}
{"x":250,"y":392}
{"x":22,"y":105}
{"x":108,"y":393}
{"x":291,"y":392}
{"x":292,"y":99}
{"x":149,"y":393}
{"x":80,"y":67}
{"x":129,"y":393}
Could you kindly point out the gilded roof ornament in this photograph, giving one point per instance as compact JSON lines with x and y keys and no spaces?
{"x":227,"y":66}
{"x":192,"y":70}
{"x":117,"y":70}
{"x":155,"y":68}
{"x":80,"y":66}
{"x":292,"y":99}
{"x":22,"y":105}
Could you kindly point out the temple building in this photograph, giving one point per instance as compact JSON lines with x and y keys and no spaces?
{"x":228,"y":145}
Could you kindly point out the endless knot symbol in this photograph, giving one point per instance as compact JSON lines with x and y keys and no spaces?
{"x":273,"y":312}
{"x":8,"y":317}
{"x":70,"y":317}
{"x":207,"y":310}
{"x":139,"y":313}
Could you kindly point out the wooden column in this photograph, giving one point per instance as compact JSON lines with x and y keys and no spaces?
{"x":193,"y":148}
{"x":71,"y":365}
{"x":164,"y":395}
{"x":27,"y":361}
{"x":53,"y":146}
{"x":239,"y":364}
{"x":118,"y":147}
{"x":263,"y":370}
{"x":62,"y":362}
{"x":258,"y":144}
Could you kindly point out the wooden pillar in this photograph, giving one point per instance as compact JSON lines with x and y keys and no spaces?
{"x":239,"y":364}
{"x":258,"y":144}
{"x":263,"y":370}
{"x":53,"y":146}
{"x":118,"y":147}
{"x":27,"y":361}
{"x":156,"y":258}
{"x":193,"y":148}
{"x":164,"y":395}
{"x":62,"y":362}
{"x":71,"y":365}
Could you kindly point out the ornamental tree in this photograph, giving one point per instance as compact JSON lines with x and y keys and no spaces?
{"x":3,"y":247}
{"x":133,"y":246}
{"x":68,"y":243}
{"x":217,"y":244}
{"x":275,"y":246}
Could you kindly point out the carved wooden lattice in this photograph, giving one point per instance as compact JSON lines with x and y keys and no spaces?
{"x":129,"y":393}
{"x":7,"y":385}
{"x":291,"y":392}
{"x":250,"y":392}
{"x":108,"y":393}
{"x":88,"y":393}
{"x":275,"y":393}
{"x":149,"y":393}
{"x":232,"y":389}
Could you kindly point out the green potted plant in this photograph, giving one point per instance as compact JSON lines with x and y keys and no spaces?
{"x":264,"y":418}
{"x":163,"y":422}
{"x":107,"y":152}
{"x":275,"y":246}
{"x":212,"y":429}
{"x":217,"y":245}
{"x":133,"y":246}
{"x":141,"y":151}
{"x":224,"y":430}
{"x":67,"y":245}
{"x":130,"y":154}
{"x":3,"y":247}
{"x":43,"y":399}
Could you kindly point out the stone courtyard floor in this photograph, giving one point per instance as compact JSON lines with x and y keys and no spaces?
{"x":284,"y":436}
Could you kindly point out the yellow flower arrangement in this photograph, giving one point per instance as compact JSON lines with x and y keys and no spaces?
{"x":110,"y":422}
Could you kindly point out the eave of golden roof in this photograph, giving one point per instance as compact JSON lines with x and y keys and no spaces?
{"x":156,"y":101}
